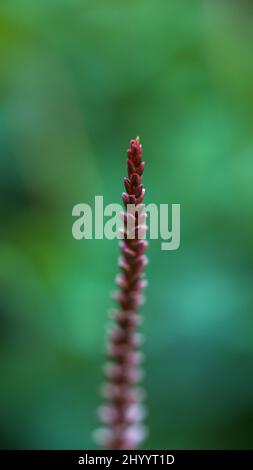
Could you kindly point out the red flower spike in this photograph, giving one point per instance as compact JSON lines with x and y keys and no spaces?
{"x":123,"y":412}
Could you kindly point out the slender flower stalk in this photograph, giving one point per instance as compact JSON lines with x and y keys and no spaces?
{"x":123,"y":412}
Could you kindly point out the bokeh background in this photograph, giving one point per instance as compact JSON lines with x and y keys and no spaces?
{"x":78,"y":79}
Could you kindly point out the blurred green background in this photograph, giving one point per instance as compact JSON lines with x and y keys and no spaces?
{"x":78,"y":79}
